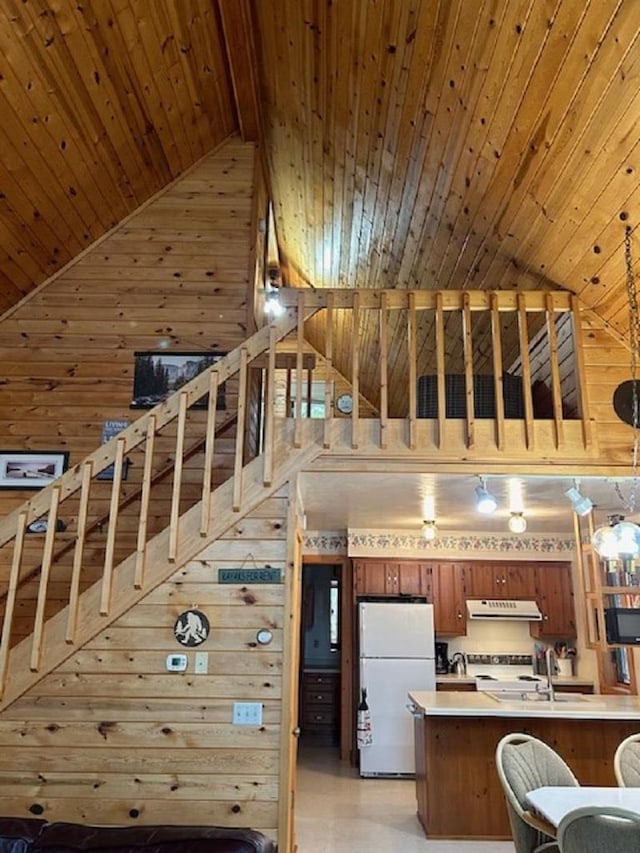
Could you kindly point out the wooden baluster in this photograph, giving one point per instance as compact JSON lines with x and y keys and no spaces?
{"x":355,"y":371}
{"x":556,"y":390}
{"x":384,"y":369}
{"x":47,"y":557}
{"x":309,"y":391}
{"x":174,"y":515}
{"x":467,"y":341}
{"x":329,"y":383}
{"x":270,"y":405}
{"x":297,"y":431}
{"x":523,"y":334}
{"x":498,"y":381}
{"x":580,"y":373}
{"x":145,"y":497}
{"x":10,"y":603}
{"x":209,"y":447}
{"x":440,"y":371}
{"x":110,"y":547}
{"x":412,"y":349}
{"x":242,"y":416}
{"x":78,"y":552}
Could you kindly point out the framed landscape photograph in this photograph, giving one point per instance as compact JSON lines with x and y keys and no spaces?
{"x":157,"y":375}
{"x":26,"y":469}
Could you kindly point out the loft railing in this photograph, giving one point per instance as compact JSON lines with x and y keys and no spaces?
{"x":384,"y":348}
{"x":452,"y":357}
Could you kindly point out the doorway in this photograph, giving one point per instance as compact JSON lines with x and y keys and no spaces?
{"x":326,"y":660}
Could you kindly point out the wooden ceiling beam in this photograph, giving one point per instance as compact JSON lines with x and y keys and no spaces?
{"x":240,"y":47}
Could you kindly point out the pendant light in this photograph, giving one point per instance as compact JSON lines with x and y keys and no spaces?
{"x":517,"y":522}
{"x":620,"y":539}
{"x":429,"y":530}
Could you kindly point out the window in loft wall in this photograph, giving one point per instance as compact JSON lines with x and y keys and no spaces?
{"x":317,"y":409}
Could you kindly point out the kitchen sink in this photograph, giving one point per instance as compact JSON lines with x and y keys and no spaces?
{"x":527,"y":697}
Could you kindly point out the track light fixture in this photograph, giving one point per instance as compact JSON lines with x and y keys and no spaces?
{"x":485,"y":501}
{"x":579,"y":504}
{"x":429,"y":530}
{"x":517,"y":522}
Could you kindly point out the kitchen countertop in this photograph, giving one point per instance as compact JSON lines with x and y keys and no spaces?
{"x":567,"y":680}
{"x":465,"y":704}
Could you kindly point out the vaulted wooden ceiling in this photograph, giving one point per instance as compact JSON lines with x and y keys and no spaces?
{"x":410,"y":143}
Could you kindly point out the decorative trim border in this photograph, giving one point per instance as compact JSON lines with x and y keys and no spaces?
{"x":374,"y":543}
{"x":324,"y":542}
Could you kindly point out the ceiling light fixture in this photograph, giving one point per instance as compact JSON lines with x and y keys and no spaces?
{"x":517,"y":522}
{"x":579,"y":503}
{"x":429,"y":530}
{"x":272,"y":305}
{"x":485,"y":501}
{"x":620,"y":539}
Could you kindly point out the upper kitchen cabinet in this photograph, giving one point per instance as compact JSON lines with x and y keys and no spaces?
{"x":554,"y":594}
{"x":500,"y":580}
{"x":392,"y":577}
{"x":449,"y":613}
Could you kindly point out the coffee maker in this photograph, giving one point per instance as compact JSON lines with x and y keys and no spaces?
{"x":442,"y":658}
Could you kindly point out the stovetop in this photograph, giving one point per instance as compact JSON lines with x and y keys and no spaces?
{"x":500,"y":667}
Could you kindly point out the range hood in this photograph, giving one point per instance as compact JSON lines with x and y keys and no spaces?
{"x":500,"y":608}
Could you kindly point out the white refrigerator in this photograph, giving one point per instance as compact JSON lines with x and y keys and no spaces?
{"x":397,"y":654}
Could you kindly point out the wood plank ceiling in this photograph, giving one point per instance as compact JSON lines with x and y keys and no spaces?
{"x":430,"y":144}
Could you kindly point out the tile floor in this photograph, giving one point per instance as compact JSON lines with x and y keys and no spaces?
{"x":337,"y":811}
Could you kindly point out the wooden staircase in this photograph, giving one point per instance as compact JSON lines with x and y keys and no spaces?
{"x":151,"y":561}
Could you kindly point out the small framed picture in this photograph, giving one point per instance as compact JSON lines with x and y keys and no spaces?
{"x":27,"y":469}
{"x":157,"y":375}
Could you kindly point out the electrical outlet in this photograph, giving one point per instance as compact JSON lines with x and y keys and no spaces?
{"x":202,"y":663}
{"x":247,"y":713}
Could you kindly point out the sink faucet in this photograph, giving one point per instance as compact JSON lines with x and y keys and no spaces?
{"x":548,"y":689}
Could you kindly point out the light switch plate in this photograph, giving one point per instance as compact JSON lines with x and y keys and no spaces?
{"x":202,"y":663}
{"x":247,"y":713}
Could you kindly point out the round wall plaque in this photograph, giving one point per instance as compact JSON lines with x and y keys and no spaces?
{"x":191,"y":628}
{"x":623,"y":401}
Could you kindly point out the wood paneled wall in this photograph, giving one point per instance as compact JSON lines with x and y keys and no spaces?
{"x":607,"y":364}
{"x":173,"y":276}
{"x":111,"y":737}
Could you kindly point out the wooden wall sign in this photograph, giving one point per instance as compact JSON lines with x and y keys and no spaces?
{"x":247,"y":576}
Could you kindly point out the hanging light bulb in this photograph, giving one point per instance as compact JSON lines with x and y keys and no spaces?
{"x":429,"y":530}
{"x":620,"y":539}
{"x":517,"y":522}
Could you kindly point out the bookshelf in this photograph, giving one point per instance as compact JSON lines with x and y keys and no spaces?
{"x":606,"y":583}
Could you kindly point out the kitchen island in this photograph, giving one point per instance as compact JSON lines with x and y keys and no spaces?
{"x":456,"y":734}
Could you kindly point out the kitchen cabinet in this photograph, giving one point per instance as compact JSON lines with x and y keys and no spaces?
{"x":442,"y":584}
{"x":449,"y":611}
{"x":392,"y":577}
{"x":554,"y":594}
{"x":500,"y":580}
{"x":319,"y":706}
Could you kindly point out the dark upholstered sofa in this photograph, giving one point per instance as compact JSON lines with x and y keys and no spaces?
{"x":19,"y":835}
